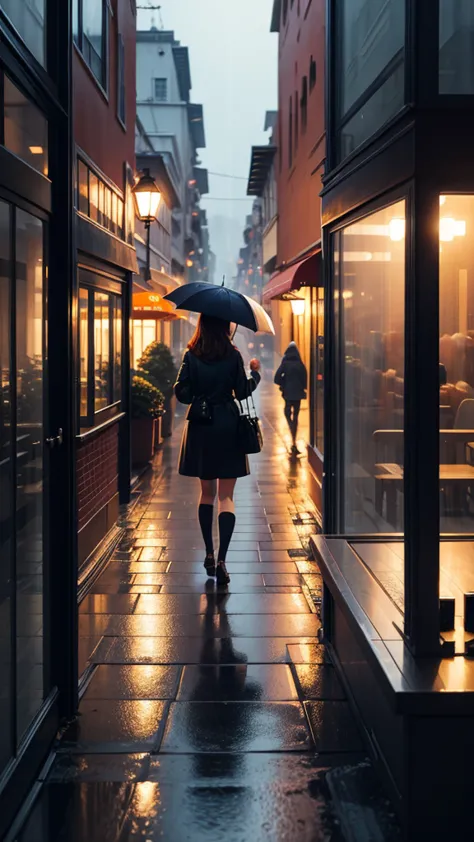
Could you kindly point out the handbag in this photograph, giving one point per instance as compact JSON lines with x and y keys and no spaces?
{"x":249,"y":431}
{"x":200,"y":410}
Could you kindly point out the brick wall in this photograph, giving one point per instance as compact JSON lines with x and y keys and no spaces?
{"x":97,"y":473}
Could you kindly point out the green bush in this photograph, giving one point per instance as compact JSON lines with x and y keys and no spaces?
{"x":147,"y":400}
{"x":158,"y":366}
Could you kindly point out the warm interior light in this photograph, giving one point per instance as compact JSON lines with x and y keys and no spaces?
{"x":36,"y":150}
{"x":189,"y":263}
{"x":147,"y":198}
{"x":396,"y":230}
{"x":347,"y":294}
{"x":442,"y":200}
{"x":450,"y":228}
{"x":298,"y":306}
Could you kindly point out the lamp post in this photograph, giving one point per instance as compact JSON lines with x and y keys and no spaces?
{"x":147,"y":201}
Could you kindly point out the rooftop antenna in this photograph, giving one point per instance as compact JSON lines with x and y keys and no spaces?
{"x":154,"y":9}
{"x":223,"y":281}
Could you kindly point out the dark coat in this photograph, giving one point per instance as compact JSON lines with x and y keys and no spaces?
{"x":209,"y":451}
{"x":291,"y":376}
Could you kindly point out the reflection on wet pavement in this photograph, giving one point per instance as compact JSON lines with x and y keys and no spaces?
{"x":206,"y":714}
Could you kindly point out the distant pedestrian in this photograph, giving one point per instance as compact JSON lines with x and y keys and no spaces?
{"x":292,"y":378}
{"x":211,"y":376}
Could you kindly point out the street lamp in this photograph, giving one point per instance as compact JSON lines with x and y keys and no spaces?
{"x":147,"y":201}
{"x":298,"y":306}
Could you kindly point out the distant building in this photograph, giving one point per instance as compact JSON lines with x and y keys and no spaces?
{"x":175,"y":128}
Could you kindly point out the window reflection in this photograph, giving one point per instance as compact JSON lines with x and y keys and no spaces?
{"x":370,"y":259}
{"x":83,"y":348}
{"x":28,"y":18}
{"x":102,"y":349}
{"x":371,"y":35}
{"x":118,"y":349}
{"x":456,"y":47}
{"x":6,"y":479}
{"x":456,"y":357}
{"x":25,"y":128}
{"x":29,"y":466}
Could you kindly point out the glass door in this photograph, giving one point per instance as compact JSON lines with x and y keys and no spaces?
{"x":23,"y":492}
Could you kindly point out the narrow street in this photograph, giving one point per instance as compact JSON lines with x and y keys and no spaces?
{"x":206,"y":714}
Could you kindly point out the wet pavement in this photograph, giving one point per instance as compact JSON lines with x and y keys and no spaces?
{"x":205,"y":713}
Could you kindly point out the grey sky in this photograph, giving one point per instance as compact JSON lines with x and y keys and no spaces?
{"x":233,"y":60}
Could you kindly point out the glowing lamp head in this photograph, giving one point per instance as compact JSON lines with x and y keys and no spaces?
{"x":298,"y":306}
{"x":147,"y":197}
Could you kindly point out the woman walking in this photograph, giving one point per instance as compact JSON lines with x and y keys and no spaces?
{"x":292,"y":378}
{"x":211,"y":376}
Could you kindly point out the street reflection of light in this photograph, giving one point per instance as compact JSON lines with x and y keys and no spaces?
{"x":147,"y":799}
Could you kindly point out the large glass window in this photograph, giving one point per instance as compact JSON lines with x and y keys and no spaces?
{"x":6,"y":491}
{"x":370,"y":258}
{"x":28,"y":18}
{"x":456,"y":357}
{"x":100,"y":351}
{"x":25,"y":128}
{"x":317,"y":369}
{"x":100,"y":203}
{"x":90,"y":32}
{"x":370,"y":35}
{"x":456,"y":47}
{"x":30,"y":682}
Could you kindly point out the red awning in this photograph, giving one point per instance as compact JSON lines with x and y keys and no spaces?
{"x":304,"y":273}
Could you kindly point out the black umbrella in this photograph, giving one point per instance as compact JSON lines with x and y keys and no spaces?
{"x":223,"y":303}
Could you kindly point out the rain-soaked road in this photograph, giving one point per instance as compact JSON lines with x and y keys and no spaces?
{"x":206,"y":715}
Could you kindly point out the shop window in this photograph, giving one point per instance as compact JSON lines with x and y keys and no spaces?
{"x":370,"y":67}
{"x":100,"y":351}
{"x":121,"y":80}
{"x":317,"y":369}
{"x":28,"y":18}
{"x":25,"y":128}
{"x":144,"y":332}
{"x":456,"y":47}
{"x":83,"y":349}
{"x":90,"y":31}
{"x":456,"y":357}
{"x":370,"y":300}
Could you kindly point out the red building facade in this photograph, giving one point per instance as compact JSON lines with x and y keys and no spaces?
{"x":104,"y":70}
{"x":299,"y":166}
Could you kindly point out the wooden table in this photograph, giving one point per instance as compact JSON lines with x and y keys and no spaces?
{"x":389,"y":480}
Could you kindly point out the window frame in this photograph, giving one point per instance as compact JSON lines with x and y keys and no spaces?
{"x":103,"y":82}
{"x":97,"y":285}
{"x":160,"y":79}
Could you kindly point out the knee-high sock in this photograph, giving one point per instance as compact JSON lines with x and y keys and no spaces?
{"x":226,"y":528}
{"x":206,"y":513}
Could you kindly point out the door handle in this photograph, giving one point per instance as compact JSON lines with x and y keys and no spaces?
{"x":55,"y":441}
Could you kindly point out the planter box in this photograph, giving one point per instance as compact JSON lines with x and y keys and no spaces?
{"x":168,"y":418}
{"x":143,"y":435}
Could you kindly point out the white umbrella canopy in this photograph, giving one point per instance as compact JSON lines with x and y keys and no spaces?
{"x":264,"y":322}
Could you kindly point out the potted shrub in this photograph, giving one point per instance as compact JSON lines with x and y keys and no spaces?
{"x":158,"y":366}
{"x":147,"y":408}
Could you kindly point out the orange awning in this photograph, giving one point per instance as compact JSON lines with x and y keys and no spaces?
{"x":151,"y":305}
{"x":303,"y":273}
